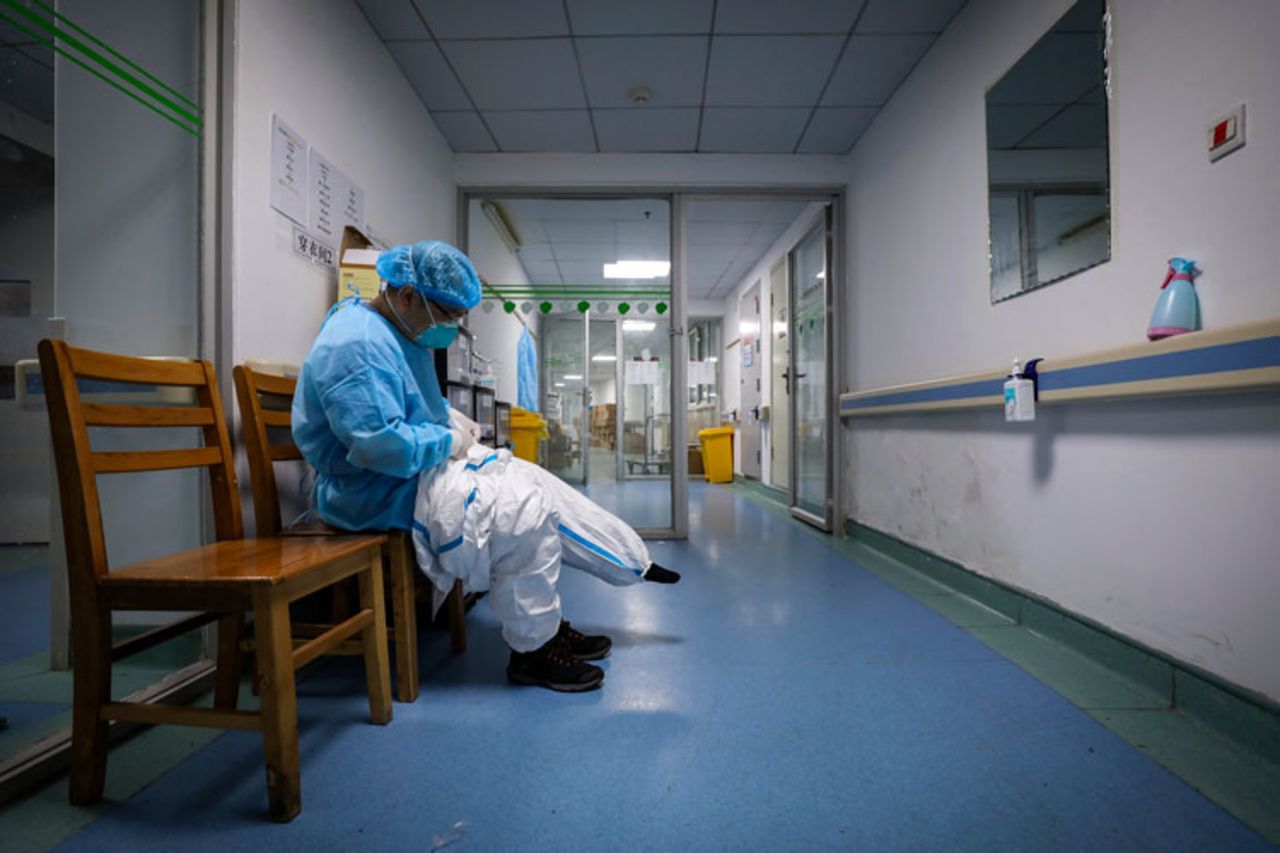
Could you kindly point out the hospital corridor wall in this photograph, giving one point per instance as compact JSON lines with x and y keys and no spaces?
{"x":1153,"y":519}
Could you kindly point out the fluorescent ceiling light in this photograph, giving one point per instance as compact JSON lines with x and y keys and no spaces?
{"x":498,"y":217}
{"x":573,"y":377}
{"x":713,"y":359}
{"x":604,"y":358}
{"x":637,"y":269}
{"x":559,"y":384}
{"x":638,"y":325}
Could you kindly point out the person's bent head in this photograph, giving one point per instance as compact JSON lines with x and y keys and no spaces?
{"x":429,"y":287}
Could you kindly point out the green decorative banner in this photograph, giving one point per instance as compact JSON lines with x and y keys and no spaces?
{"x":44,"y":24}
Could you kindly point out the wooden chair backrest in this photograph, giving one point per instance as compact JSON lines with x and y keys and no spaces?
{"x":253,"y":388}
{"x":78,"y":465}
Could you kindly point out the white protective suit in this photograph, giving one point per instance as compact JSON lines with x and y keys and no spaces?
{"x":500,"y":523}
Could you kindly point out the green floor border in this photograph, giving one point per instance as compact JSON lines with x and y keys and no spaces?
{"x":1219,"y":738}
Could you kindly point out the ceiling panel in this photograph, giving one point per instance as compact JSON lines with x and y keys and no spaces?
{"x":518,"y":75}
{"x":1058,"y":69}
{"x":834,"y":130}
{"x":872,"y":68}
{"x":764,"y":131}
{"x":539,"y":251}
{"x":541,"y":272}
{"x":464,"y":131}
{"x":394,"y":19}
{"x":765,"y":71}
{"x":917,"y":16}
{"x":793,"y":16}
{"x":582,"y":272}
{"x":424,"y":66}
{"x":581,"y":230}
{"x":1078,"y":126}
{"x":708,"y":210}
{"x":647,"y":129}
{"x":656,"y":233}
{"x":721,"y":256}
{"x":488,"y":19}
{"x":1008,"y":124}
{"x":599,"y":253}
{"x":547,"y":130}
{"x":671,"y":67}
{"x":712,"y":233}
{"x":26,"y":84}
{"x":627,"y":17}
{"x":699,"y":286}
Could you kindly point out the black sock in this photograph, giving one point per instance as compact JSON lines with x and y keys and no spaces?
{"x":657,"y":574}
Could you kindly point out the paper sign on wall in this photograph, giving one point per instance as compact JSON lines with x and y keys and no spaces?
{"x":335,"y":200}
{"x":314,"y":250}
{"x":288,"y":171}
{"x":642,"y":373}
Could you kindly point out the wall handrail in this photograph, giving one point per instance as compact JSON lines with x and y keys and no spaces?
{"x":1233,"y":358}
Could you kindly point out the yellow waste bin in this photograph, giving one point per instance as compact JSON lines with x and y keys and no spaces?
{"x":527,"y":429}
{"x":717,"y":454}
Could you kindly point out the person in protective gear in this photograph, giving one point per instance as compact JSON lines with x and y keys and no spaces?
{"x":390,"y":453}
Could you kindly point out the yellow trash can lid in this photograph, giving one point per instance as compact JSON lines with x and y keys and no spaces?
{"x":708,"y":433}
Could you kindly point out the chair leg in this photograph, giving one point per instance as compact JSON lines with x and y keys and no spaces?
{"x":226,"y":690}
{"x":376,"y":671}
{"x":279,"y":704}
{"x":457,"y":618}
{"x":92,"y":687}
{"x":405,"y":616}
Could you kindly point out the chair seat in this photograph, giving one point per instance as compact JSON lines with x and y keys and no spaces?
{"x":241,"y":563}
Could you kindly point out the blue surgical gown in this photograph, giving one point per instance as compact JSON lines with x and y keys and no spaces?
{"x":368,"y":416}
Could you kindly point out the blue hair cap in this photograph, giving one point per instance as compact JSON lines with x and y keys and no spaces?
{"x":436,"y":270}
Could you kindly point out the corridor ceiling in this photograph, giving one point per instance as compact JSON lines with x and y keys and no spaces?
{"x":731,"y":76}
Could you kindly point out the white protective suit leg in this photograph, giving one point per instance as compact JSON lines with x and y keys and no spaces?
{"x":500,"y":523}
{"x":594,"y":539}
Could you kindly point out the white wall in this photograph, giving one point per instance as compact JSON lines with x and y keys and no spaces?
{"x":497,"y":332}
{"x":320,"y":65}
{"x":1156,"y":519}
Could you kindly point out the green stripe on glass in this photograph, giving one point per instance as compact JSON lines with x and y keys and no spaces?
{"x":31,"y":23}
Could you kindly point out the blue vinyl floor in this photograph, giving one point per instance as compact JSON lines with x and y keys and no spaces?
{"x":779,"y":698}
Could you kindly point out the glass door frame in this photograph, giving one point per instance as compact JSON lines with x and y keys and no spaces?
{"x":827,"y":219}
{"x":679,"y":198}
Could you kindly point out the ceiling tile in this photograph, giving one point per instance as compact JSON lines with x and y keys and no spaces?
{"x":714,"y":233}
{"x":719,"y":210}
{"x":1008,"y":124}
{"x":582,"y":272}
{"x":834,"y":130}
{"x":700,"y":285}
{"x":671,"y":67}
{"x":768,"y":71}
{"x":534,"y":130}
{"x":917,"y":16}
{"x":647,"y":129}
{"x":26,"y":84}
{"x":762,"y":131}
{"x":1058,"y":69}
{"x":794,"y":16}
{"x":597,"y":253}
{"x":540,"y":272}
{"x":584,"y":230}
{"x":872,"y":68}
{"x":627,"y":17}
{"x":490,"y":19}
{"x":464,"y":131}
{"x":656,"y":234}
{"x":393,"y":19}
{"x":518,"y":75}
{"x":1078,"y":126}
{"x":721,"y":256}
{"x":540,"y":251}
{"x":431,"y":77}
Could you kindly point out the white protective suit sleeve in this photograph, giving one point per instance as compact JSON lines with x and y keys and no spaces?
{"x":499,"y":523}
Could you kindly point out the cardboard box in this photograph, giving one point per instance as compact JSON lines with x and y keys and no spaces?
{"x":357,"y":275}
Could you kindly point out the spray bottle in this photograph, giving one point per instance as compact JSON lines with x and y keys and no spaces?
{"x":1177,"y":310}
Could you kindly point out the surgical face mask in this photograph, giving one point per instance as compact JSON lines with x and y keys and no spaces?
{"x":436,"y":336}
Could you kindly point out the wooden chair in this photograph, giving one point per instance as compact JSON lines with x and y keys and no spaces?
{"x":266,"y":402}
{"x":220,"y":581}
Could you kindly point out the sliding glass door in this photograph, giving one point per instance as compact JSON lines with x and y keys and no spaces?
{"x":811,"y":436}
